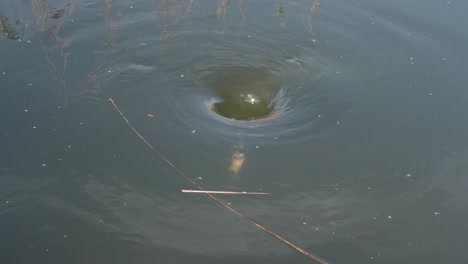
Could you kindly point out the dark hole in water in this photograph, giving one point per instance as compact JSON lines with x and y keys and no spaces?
{"x":245,"y":94}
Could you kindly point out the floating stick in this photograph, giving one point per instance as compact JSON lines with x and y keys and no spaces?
{"x":243,"y":217}
{"x":224,"y":192}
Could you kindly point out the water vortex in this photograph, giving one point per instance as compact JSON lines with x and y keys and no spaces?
{"x":244,"y":93}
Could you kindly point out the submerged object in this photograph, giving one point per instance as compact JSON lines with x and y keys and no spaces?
{"x":237,"y":161}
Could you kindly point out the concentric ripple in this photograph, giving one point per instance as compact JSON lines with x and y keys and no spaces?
{"x":254,"y":88}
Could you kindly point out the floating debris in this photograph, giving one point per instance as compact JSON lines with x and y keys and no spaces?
{"x":223,"y":192}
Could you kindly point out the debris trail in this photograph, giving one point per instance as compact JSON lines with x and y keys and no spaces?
{"x":245,"y":218}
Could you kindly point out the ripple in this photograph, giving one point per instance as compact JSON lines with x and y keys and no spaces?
{"x":291,"y":87}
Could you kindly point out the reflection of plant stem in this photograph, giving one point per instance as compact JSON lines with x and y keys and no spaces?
{"x":242,"y":12}
{"x":221,"y":13}
{"x":9,"y":33}
{"x":280,"y":14}
{"x":43,"y":12}
{"x":166,"y":16}
{"x":108,"y":48}
{"x":311,"y":27}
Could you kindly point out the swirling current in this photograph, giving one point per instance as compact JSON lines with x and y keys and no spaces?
{"x":295,"y":81}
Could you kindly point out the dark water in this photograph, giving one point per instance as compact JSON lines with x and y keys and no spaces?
{"x":361,"y":136}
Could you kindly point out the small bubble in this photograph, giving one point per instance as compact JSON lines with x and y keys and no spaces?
{"x":257,"y":147}
{"x":131,"y":6}
{"x":44,"y":165}
{"x":304,"y":223}
{"x":26,"y":110}
{"x":389,"y":217}
{"x":193,"y":131}
{"x":436,"y":213}
{"x":28,"y":41}
{"x":182,"y":75}
{"x":7,"y":202}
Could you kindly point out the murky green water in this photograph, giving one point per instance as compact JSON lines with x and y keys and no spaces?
{"x":351,"y":113}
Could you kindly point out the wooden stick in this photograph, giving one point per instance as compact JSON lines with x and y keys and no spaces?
{"x":224,"y":192}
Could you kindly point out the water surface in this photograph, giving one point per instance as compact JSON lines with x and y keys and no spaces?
{"x":351,"y":113}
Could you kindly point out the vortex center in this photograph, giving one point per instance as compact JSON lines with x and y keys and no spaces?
{"x":245,"y":94}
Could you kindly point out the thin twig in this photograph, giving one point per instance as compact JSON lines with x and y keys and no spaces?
{"x":245,"y":218}
{"x":224,"y":192}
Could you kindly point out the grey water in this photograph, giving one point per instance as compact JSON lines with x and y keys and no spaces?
{"x":352,"y":114}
